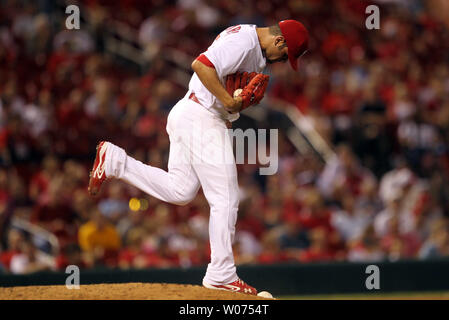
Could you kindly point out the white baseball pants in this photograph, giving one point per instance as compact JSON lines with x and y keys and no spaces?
{"x":200,"y":155}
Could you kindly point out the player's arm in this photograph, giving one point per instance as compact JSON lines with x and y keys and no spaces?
{"x":208,"y":76}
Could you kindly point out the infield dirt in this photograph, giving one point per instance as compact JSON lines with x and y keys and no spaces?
{"x":121,"y":291}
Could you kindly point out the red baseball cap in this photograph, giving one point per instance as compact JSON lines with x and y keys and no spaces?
{"x":297,"y":38}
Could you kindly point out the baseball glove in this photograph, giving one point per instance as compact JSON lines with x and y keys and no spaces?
{"x":238,"y":80}
{"x":253,"y":86}
{"x":254,"y":91}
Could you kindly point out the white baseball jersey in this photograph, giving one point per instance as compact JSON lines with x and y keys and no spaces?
{"x":235,"y":49}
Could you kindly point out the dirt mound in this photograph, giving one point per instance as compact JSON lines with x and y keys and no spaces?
{"x":121,"y":291}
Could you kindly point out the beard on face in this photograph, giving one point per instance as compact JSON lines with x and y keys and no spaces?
{"x":270,"y":61}
{"x":281,"y":59}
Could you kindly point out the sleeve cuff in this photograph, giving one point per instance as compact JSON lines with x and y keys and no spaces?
{"x":204,"y":60}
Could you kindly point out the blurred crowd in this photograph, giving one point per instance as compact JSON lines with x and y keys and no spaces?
{"x":379,"y":97}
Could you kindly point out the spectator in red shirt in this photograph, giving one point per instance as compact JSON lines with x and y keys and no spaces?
{"x":271,"y":250}
{"x":56,"y":215}
{"x":319,"y":249}
{"x":70,"y":255}
{"x":314,"y":213}
{"x":367,"y":248}
{"x":40,"y":181}
{"x":400,"y":245}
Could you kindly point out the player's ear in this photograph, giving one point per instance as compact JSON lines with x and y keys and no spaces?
{"x":279,"y":41}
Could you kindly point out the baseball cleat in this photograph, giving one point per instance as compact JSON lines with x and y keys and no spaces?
{"x":236,"y":286}
{"x":97,"y":175}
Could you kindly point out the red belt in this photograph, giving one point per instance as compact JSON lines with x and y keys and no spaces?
{"x":194,"y":98}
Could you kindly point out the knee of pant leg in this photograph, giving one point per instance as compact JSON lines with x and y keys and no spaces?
{"x":183,"y":198}
{"x":227,"y":215}
{"x":234,"y":203}
{"x":229,"y":207}
{"x":181,"y":202}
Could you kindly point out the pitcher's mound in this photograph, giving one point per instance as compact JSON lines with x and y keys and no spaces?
{"x":121,"y":291}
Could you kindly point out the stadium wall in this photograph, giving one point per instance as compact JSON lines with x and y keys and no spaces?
{"x":283,"y":279}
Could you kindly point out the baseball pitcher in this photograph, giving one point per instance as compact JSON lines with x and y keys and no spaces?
{"x":200,"y":148}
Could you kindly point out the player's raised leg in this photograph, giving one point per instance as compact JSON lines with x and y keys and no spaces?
{"x":177,"y":186}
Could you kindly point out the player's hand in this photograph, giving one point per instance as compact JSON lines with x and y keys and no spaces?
{"x":235,"y":105}
{"x":254,"y":91}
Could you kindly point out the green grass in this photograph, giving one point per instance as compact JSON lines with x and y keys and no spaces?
{"x":374,"y":296}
